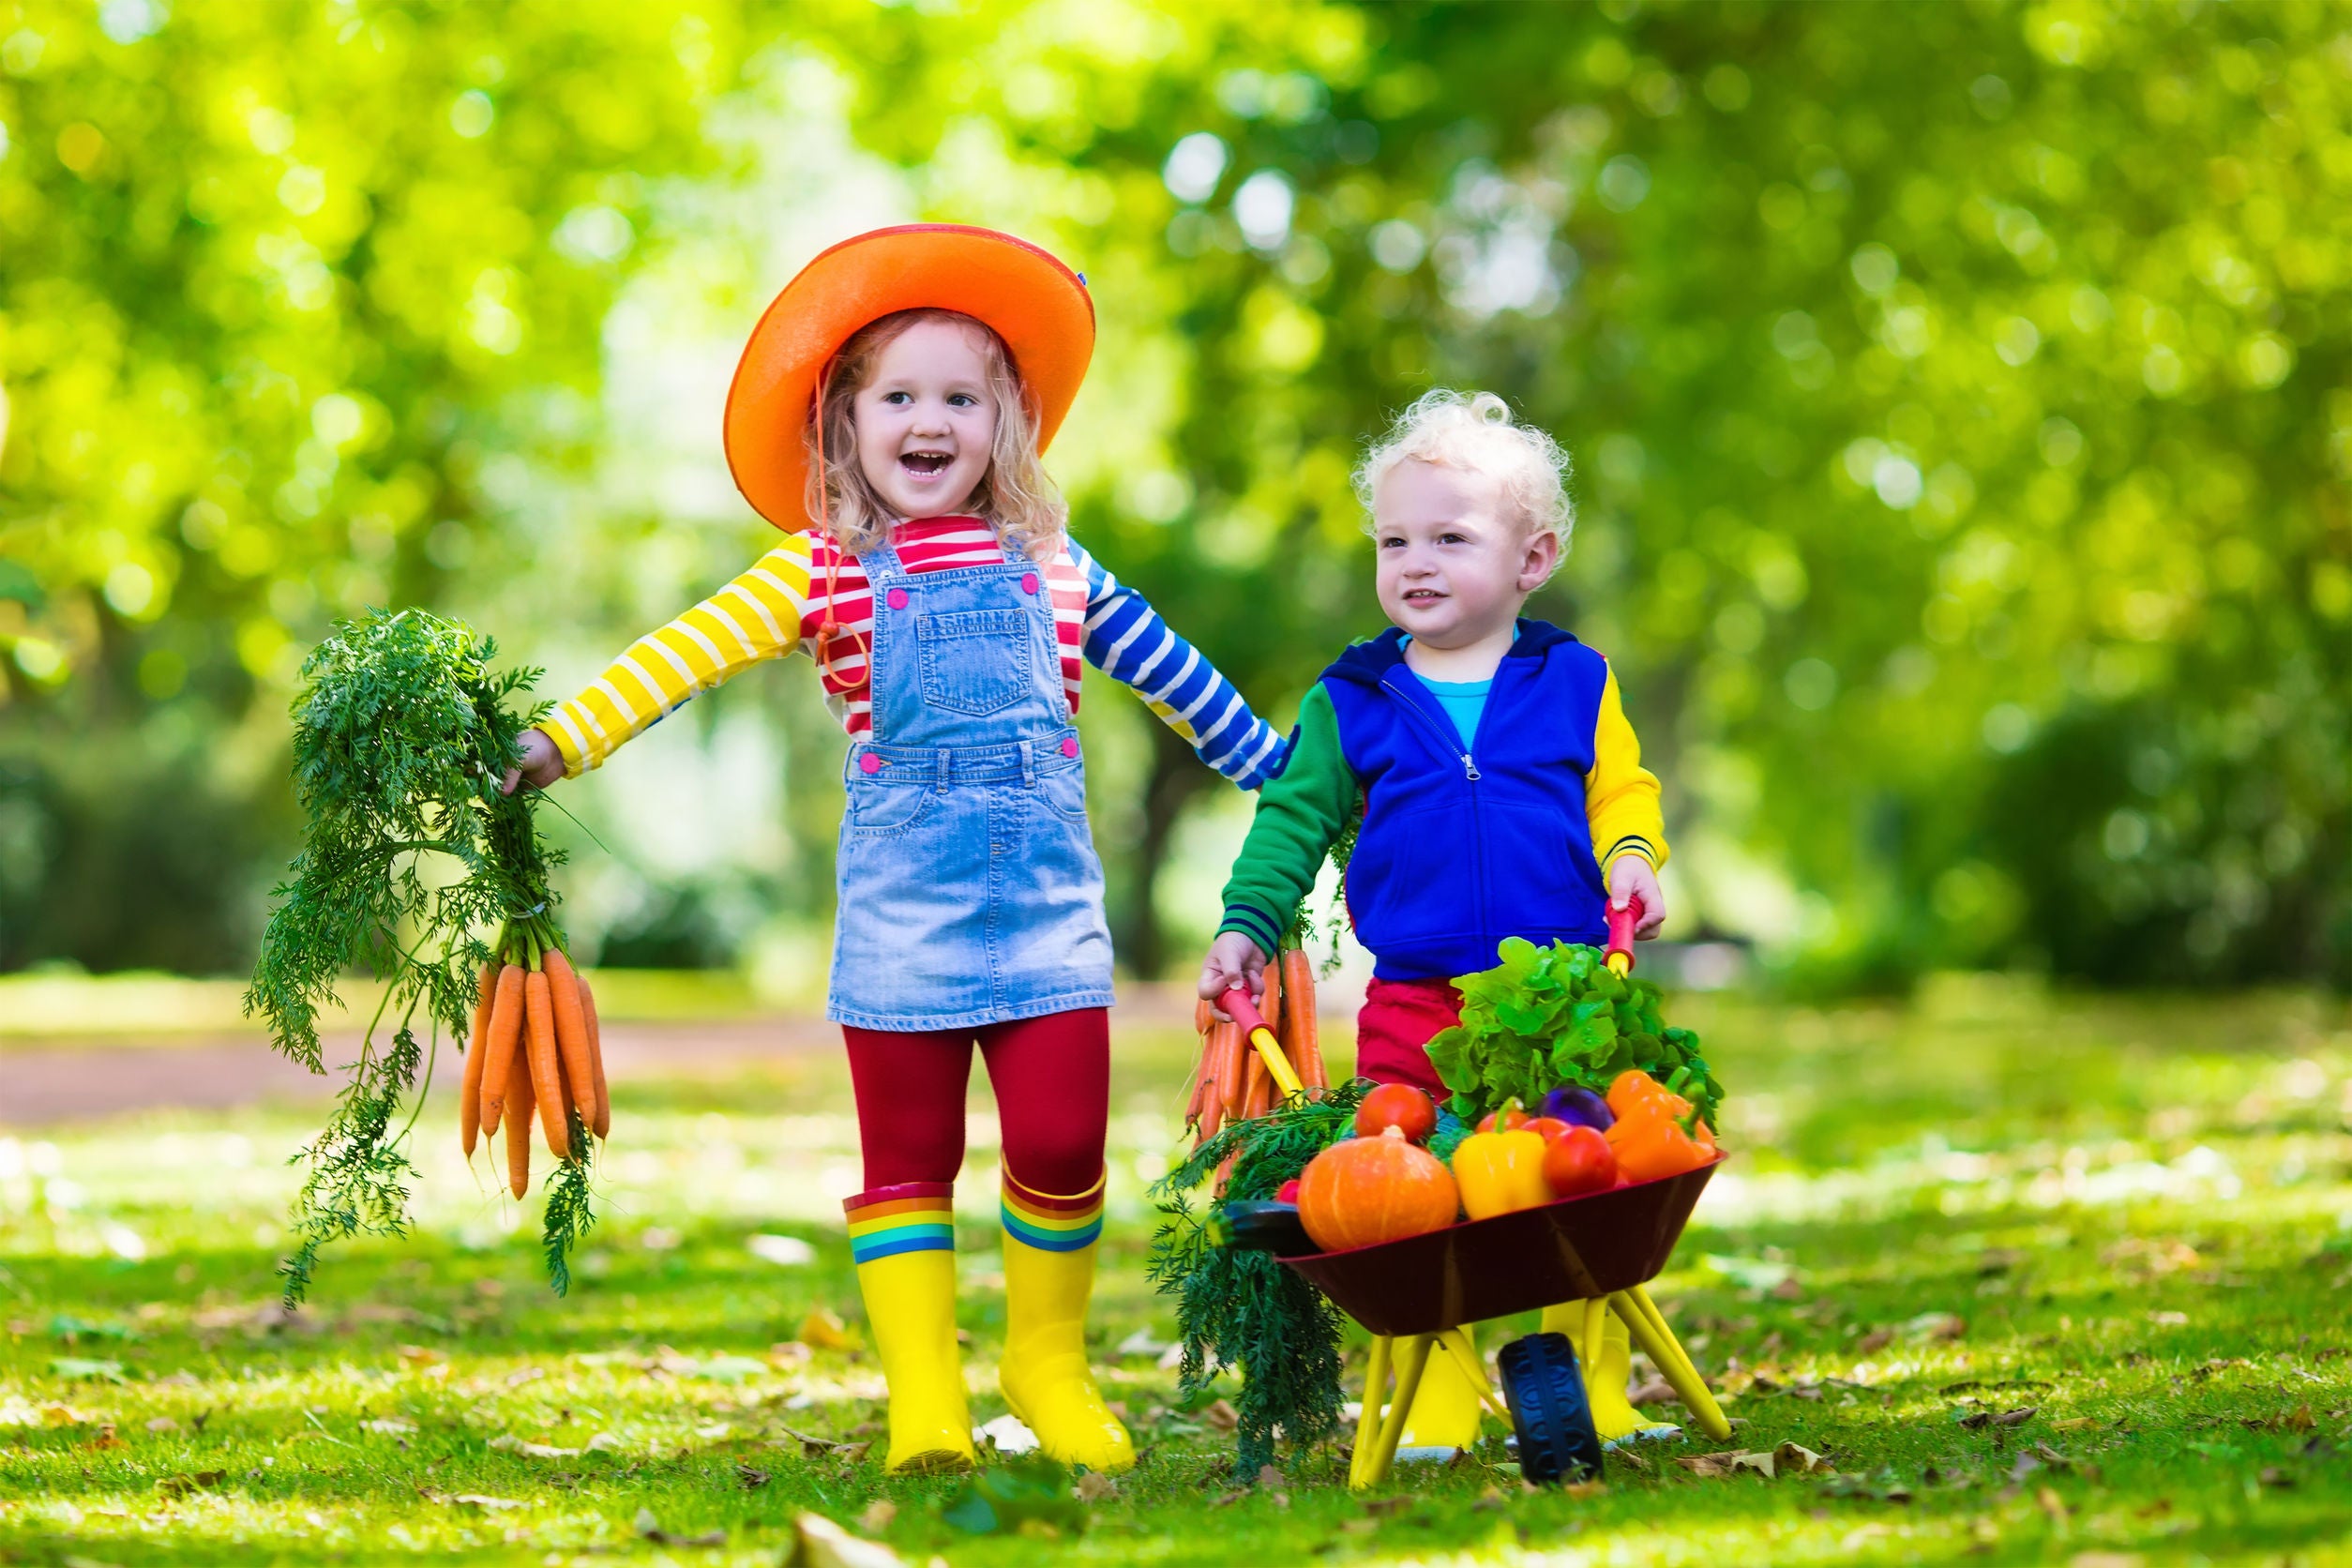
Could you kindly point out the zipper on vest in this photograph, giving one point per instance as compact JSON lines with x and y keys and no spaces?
{"x":1470,"y":768}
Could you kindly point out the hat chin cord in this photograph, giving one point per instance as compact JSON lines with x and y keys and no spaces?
{"x":831,"y":633}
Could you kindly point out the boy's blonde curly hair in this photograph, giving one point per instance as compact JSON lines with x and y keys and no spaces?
{"x":1473,"y":431}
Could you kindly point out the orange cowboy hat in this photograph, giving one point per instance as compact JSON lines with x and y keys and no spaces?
{"x":1040,"y":307}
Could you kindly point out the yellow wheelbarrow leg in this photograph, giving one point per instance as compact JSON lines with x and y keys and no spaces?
{"x":1464,"y":1350}
{"x":1410,"y":1360}
{"x":1648,"y":1326}
{"x":1368,"y":1420}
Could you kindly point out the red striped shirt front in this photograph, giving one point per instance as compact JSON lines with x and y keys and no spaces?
{"x":924,"y":545}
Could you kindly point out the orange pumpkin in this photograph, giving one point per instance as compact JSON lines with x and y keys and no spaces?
{"x":1369,"y":1190}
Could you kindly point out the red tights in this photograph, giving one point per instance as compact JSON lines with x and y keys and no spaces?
{"x":1052,"y":1082}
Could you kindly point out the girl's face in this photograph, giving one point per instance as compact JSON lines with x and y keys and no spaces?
{"x":1454,"y":566}
{"x":926,"y":420}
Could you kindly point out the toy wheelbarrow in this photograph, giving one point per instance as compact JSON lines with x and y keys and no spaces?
{"x":1601,"y":1248}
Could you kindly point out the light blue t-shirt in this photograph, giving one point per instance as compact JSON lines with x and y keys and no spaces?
{"x":1463,"y":701}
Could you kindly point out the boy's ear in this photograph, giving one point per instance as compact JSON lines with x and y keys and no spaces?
{"x":1541,"y":560}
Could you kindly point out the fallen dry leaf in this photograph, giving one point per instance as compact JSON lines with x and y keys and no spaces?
{"x":2052,"y":1504}
{"x":1767,"y":1463}
{"x":1094,"y":1485}
{"x":2075,"y":1424}
{"x":475,"y":1499}
{"x":180,"y":1485}
{"x":1222,"y":1416}
{"x":818,"y":1542}
{"x":1876,"y":1339}
{"x":420,"y":1356}
{"x":878,"y":1517}
{"x":823,"y":1330}
{"x":163,"y":1424}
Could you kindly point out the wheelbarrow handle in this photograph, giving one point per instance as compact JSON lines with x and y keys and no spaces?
{"x":1242,"y":1011}
{"x":1622,"y":924}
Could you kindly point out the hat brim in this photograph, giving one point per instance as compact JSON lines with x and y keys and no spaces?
{"x":1040,"y":307}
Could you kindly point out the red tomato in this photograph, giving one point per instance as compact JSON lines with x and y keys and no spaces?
{"x":1288,"y":1192}
{"x":1400,"y":1106}
{"x":1545,"y":1127}
{"x":1579,"y":1161}
{"x":1509,"y":1119}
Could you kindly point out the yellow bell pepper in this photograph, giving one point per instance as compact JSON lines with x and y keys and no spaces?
{"x":1500,"y":1172}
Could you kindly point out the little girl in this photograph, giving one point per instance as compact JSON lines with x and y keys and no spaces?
{"x":897,"y":393}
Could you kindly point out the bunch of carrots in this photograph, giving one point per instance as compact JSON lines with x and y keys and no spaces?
{"x":1231,"y":1082}
{"x":534,"y":1048}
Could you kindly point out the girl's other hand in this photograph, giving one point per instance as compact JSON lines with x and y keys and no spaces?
{"x":541,"y":766}
{"x":1630,"y":876}
{"x":1233,"y":960}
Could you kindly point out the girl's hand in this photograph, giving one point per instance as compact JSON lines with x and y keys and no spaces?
{"x":1631,"y":875}
{"x":1233,"y":960}
{"x":542,"y":764}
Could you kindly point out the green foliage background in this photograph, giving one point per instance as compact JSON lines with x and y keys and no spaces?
{"x":1959,"y":395}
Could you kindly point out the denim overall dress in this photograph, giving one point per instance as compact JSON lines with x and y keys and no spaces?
{"x":969,"y":889}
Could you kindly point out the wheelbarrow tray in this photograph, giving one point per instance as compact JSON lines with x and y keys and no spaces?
{"x":1570,"y":1250}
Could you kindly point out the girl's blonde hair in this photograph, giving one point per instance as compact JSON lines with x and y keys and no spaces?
{"x":1473,"y":431}
{"x":1014,"y":494}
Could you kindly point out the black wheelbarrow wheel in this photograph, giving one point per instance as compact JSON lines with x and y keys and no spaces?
{"x":1553,"y":1419}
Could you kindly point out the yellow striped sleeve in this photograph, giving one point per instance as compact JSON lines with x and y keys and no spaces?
{"x":755,"y":617}
{"x":1621,"y":796}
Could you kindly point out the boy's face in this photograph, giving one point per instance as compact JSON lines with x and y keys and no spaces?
{"x":926,"y":420}
{"x":1454,"y":566}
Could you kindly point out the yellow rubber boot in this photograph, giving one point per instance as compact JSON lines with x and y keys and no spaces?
{"x":1605,"y":1354}
{"x":1048,"y":1275}
{"x":903,"y":1239}
{"x":1445,"y":1414}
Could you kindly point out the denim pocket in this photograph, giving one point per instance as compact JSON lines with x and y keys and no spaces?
{"x":975,"y":661}
{"x":1065,"y":793}
{"x":887,"y":808}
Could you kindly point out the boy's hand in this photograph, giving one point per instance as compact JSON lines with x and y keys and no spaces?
{"x":1233,"y":960}
{"x":1631,"y":876}
{"x":542,"y":764}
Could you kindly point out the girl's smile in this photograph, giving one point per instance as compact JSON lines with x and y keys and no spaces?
{"x":926,"y":421}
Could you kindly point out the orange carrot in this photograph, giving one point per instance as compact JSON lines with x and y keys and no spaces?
{"x":470,"y":1091}
{"x":1256,"y":1099}
{"x":1203,"y":1015}
{"x":571,"y":1035}
{"x":1212,"y":1118}
{"x":1306,"y":1046}
{"x":505,"y":1043}
{"x":518,"y":1106}
{"x":547,"y":1082}
{"x":603,"y":1121}
{"x":1226,"y":1048}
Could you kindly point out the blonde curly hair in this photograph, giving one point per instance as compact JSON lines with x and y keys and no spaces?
{"x":1014,"y":494}
{"x":1473,"y":431}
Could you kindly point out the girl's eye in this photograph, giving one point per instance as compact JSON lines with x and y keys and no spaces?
{"x":897,"y":397}
{"x":964,"y":400}
{"x":1452,"y":540}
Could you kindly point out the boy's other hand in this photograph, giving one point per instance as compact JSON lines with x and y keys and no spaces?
{"x":541,"y":765}
{"x":1630,"y":877}
{"x":1233,"y":960}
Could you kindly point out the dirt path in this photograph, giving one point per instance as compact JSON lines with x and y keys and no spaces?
{"x":64,"y":1080}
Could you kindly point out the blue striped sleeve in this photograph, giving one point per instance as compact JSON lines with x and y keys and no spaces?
{"x":1126,"y":639}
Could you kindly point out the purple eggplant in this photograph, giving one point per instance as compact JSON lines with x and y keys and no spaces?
{"x":1579,"y":1108}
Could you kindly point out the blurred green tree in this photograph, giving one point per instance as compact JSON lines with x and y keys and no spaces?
{"x":1958,"y":396}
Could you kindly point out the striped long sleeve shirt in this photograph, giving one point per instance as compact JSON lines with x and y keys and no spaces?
{"x":777,"y":606}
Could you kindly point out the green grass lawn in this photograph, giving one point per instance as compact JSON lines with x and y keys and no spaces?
{"x":2131,"y":1219}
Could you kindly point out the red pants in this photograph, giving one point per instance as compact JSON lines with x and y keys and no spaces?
{"x":1392,"y":1031}
{"x":1052,"y":1082}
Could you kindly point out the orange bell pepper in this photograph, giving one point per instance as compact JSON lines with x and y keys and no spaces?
{"x":1650,"y":1141}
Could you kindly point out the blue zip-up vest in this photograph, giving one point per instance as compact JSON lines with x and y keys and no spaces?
{"x":1463,"y":847}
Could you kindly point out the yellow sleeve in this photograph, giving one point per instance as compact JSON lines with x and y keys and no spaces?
{"x":757,"y":616}
{"x":1621,"y":796}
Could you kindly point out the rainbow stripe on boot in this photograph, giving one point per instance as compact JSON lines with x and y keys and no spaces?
{"x":1048,"y":1276}
{"x":903,"y":1240}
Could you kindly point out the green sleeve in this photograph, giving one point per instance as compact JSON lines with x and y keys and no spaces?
{"x":1301,"y":814}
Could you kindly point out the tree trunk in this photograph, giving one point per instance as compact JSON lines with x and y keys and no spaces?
{"x":1176,"y":777}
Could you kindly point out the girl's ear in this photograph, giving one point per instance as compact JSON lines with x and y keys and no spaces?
{"x":1541,"y":560}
